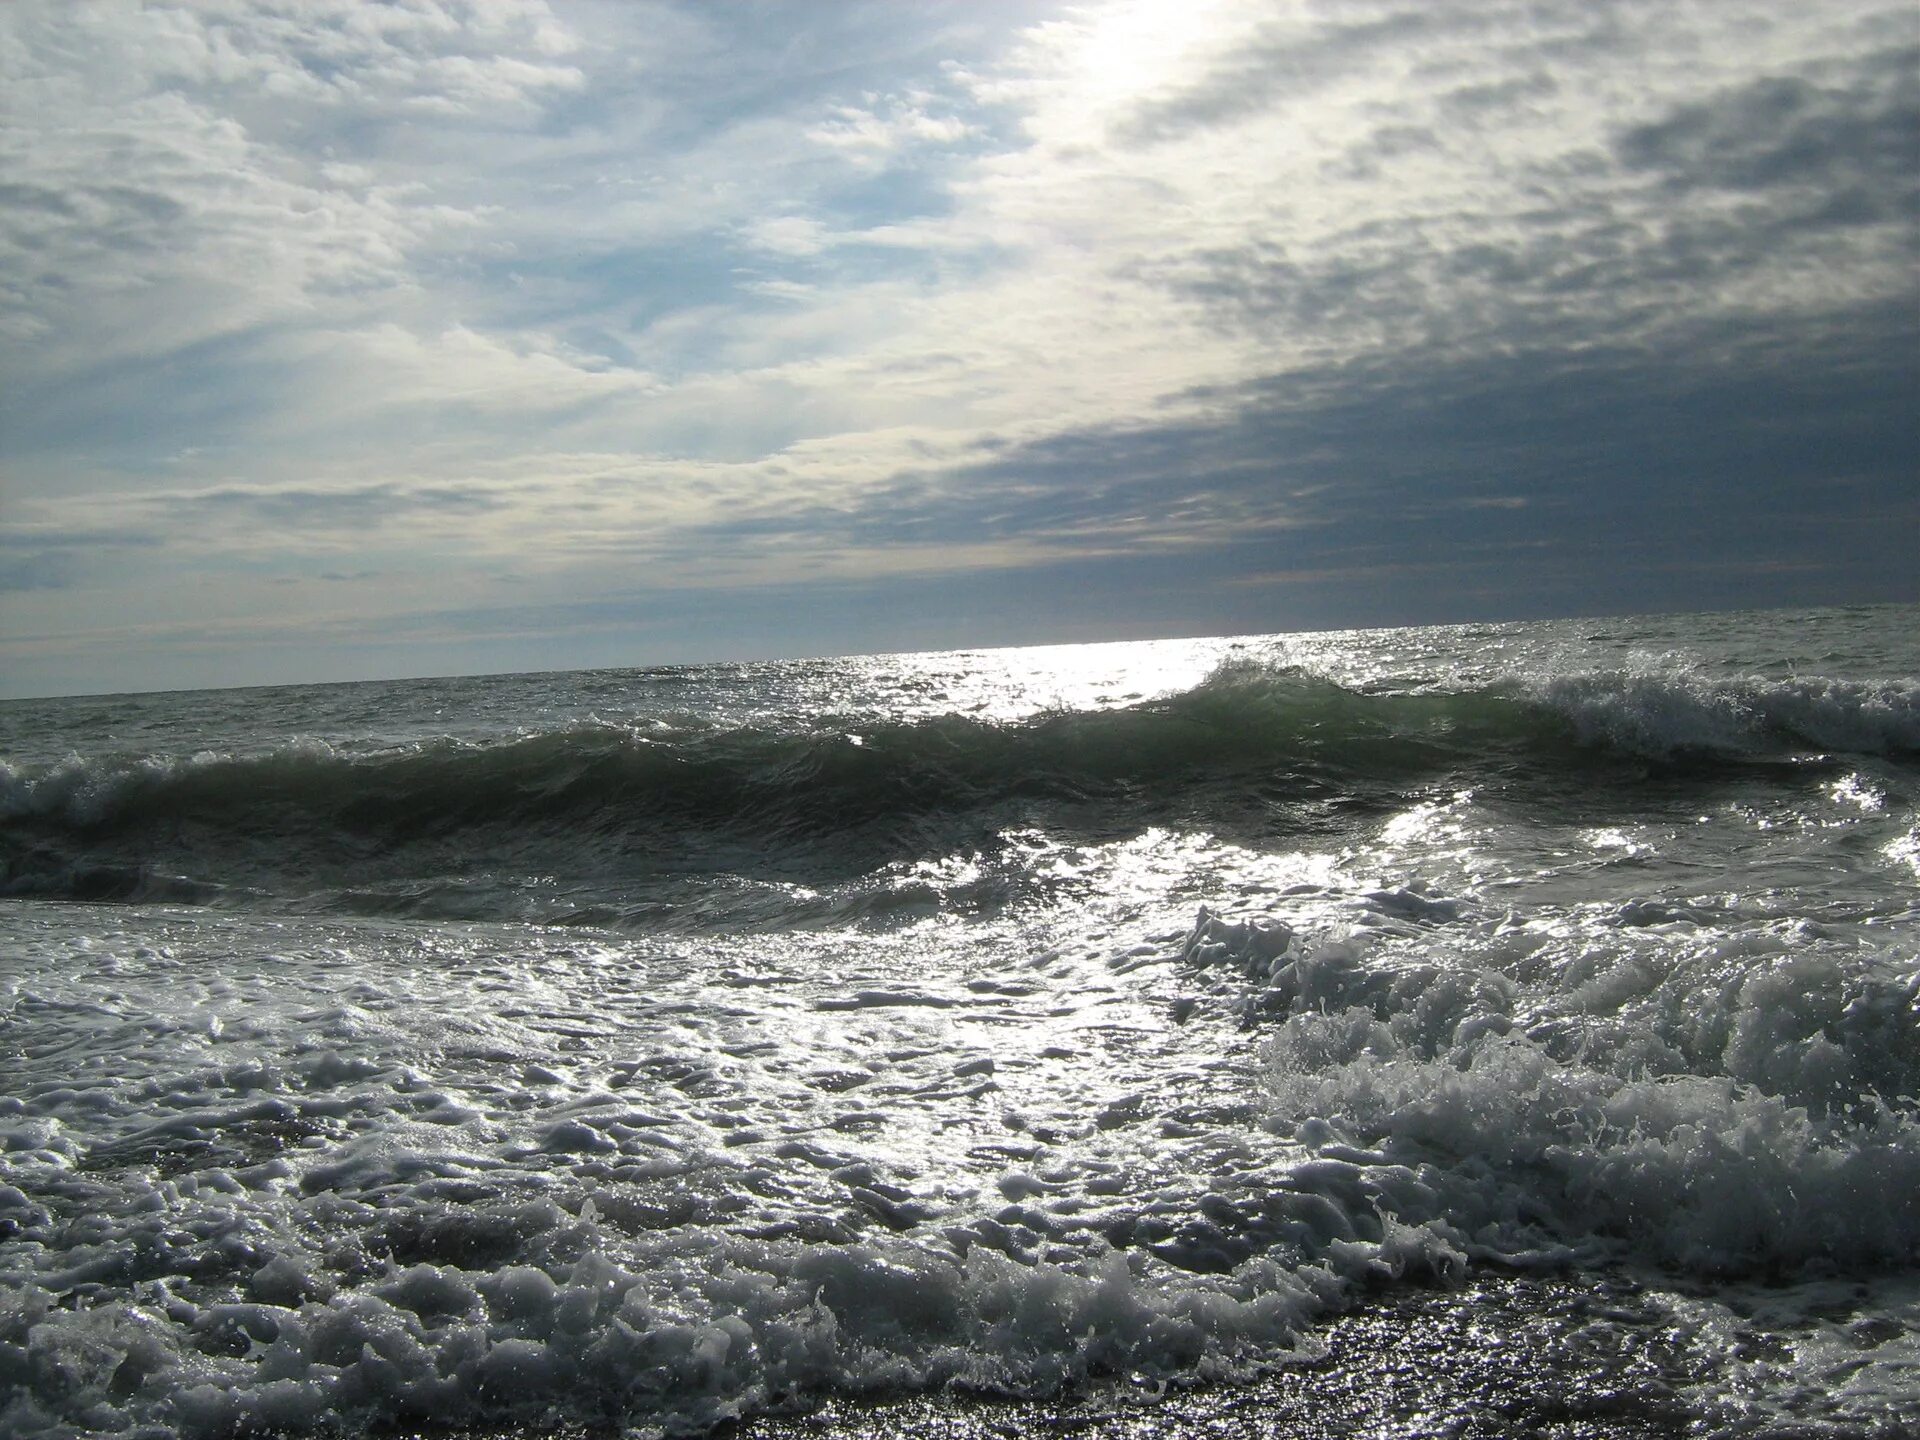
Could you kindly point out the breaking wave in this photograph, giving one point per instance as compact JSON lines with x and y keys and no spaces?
{"x":1254,"y":750}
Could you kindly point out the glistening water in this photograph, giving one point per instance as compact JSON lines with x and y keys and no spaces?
{"x":641,"y":1049}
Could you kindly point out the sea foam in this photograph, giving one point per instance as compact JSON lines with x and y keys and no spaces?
{"x":1728,"y":1104}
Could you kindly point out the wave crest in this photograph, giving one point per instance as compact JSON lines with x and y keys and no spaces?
{"x":1661,"y":716}
{"x":1254,"y":751}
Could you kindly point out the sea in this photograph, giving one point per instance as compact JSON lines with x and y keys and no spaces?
{"x":1476,"y":1030}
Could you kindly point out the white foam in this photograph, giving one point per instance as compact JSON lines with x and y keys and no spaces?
{"x":680,"y":1332}
{"x":1718,"y":1101}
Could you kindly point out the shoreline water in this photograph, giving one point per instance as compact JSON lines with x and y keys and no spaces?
{"x":1462,"y":1364}
{"x":1504,"y":1356}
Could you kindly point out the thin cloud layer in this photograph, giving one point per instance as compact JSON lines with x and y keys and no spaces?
{"x":340,"y":339}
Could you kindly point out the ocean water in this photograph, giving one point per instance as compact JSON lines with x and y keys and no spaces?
{"x":1089,"y":1025}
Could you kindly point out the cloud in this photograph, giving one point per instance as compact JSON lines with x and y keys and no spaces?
{"x":787,"y":235}
{"x":36,"y":570}
{"x":38,"y":555}
{"x":1281,"y":61}
{"x":183,"y":176}
{"x":1592,"y":212}
{"x":300,"y":507}
{"x":740,"y":298}
{"x":877,"y":130}
{"x":1847,"y":126}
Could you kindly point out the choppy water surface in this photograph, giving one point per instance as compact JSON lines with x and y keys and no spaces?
{"x":644,"y":1048}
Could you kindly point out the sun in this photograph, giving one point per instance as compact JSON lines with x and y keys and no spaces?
{"x":1106,"y":59}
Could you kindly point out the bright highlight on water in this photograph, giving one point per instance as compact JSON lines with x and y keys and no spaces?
{"x":641,"y":1049}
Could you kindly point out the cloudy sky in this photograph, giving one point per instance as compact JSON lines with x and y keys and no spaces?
{"x":356,"y":339}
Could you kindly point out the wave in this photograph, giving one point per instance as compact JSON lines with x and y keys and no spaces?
{"x":1662,"y":716}
{"x":1254,"y":751}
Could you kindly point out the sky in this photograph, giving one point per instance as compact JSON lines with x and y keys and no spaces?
{"x":345,"y":340}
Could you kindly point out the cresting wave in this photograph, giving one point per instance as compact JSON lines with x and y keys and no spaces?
{"x":1253,"y":748}
{"x":1663,"y":717}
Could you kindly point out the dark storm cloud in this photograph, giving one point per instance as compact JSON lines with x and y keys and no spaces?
{"x":1078,"y":491}
{"x":1838,"y":132}
{"x":1558,"y":480}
